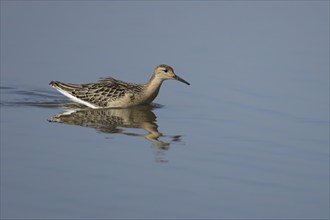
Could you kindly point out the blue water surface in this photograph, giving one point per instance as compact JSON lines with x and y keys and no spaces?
{"x":249,"y":138}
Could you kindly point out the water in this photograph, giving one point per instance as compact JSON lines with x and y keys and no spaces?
{"x":248,"y":139}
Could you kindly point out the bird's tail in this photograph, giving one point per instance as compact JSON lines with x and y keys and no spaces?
{"x":64,"y":86}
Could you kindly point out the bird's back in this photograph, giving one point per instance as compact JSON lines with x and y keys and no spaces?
{"x":107,"y":92}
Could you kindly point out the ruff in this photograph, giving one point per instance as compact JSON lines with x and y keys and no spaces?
{"x":112,"y":93}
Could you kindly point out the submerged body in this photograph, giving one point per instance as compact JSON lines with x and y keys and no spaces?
{"x":112,"y":93}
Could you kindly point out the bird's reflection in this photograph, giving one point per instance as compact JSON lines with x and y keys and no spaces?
{"x":118,"y":121}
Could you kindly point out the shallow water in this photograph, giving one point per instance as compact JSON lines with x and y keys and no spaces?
{"x":249,"y":138}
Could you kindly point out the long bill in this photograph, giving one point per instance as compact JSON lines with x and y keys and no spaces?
{"x":181,"y":80}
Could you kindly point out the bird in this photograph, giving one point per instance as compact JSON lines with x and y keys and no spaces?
{"x":113,"y":93}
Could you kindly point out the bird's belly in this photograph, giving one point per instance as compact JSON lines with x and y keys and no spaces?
{"x":129,"y":100}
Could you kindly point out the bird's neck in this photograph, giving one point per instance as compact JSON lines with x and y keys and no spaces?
{"x":153,"y":86}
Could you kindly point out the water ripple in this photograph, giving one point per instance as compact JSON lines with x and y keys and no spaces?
{"x":20,"y":96}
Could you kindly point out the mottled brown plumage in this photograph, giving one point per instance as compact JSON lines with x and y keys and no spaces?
{"x":112,"y":93}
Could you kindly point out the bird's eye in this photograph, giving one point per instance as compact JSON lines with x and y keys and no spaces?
{"x":165,"y":70}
